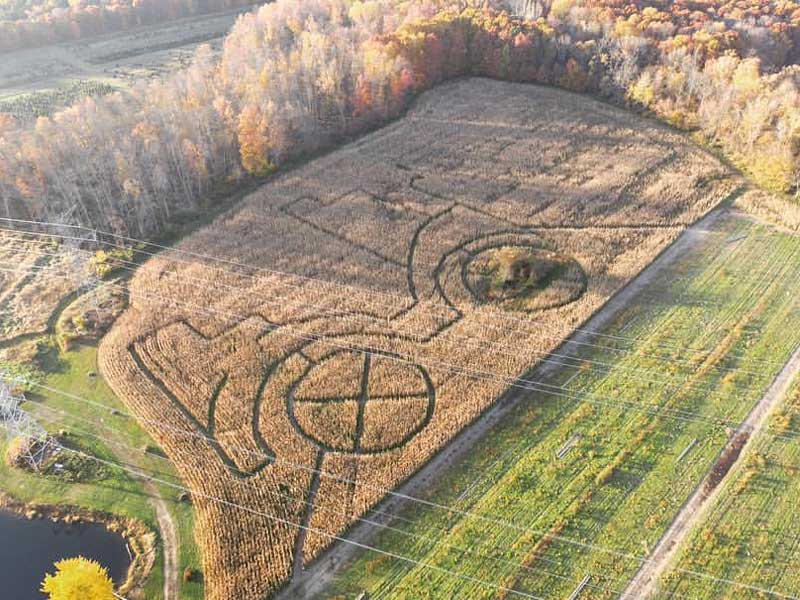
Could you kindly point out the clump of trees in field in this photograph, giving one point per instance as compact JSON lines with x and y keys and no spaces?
{"x":298,"y":76}
{"x":30,"y":23}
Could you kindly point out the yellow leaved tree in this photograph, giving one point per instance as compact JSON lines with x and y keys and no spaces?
{"x":78,"y":579}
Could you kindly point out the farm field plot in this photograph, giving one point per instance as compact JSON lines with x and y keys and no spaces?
{"x":393,"y":290}
{"x":752,"y":532}
{"x":38,"y":81}
{"x":581,"y":479}
{"x":31,"y":286}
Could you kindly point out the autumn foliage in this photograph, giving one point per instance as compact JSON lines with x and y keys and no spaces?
{"x":295,"y":77}
{"x":78,"y":579}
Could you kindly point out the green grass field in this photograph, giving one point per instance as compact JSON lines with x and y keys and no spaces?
{"x":684,"y":363}
{"x":89,"y":427}
{"x":751,"y":532}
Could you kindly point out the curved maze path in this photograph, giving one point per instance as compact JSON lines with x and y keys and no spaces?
{"x":271,"y":369}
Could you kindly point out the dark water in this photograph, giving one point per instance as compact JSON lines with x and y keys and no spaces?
{"x":28,"y":549}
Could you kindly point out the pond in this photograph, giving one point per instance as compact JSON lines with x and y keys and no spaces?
{"x":28,"y":549}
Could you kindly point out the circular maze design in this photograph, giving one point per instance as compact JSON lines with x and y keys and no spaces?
{"x":360,"y":403}
{"x":523,"y":277}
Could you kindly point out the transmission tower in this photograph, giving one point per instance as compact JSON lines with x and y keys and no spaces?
{"x":34,"y":445}
{"x":75,"y":240}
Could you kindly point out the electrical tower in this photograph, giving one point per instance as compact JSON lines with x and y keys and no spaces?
{"x":34,"y":445}
{"x":77,"y":241}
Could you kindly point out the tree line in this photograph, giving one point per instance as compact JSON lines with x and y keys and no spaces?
{"x":295,"y":77}
{"x":31,"y":23}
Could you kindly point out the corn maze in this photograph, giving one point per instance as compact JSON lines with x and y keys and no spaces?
{"x":380,"y":298}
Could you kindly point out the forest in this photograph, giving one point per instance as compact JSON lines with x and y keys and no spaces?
{"x":30,"y":23}
{"x":296,"y":77}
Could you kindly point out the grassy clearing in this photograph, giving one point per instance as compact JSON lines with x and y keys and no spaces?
{"x":89,"y":427}
{"x":751,"y":533}
{"x":116,"y":493}
{"x":688,"y":356}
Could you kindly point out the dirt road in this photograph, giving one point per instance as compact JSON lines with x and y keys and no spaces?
{"x":316,"y":577}
{"x":166,"y":525}
{"x":169,"y":541}
{"x":644,"y":583}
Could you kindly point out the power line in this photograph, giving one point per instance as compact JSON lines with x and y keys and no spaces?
{"x":360,"y":483}
{"x":402,"y":299}
{"x":195,"y":493}
{"x":579,"y":362}
{"x":384,"y":490}
{"x":459,"y":370}
{"x":349,"y":516}
{"x":526,"y":384}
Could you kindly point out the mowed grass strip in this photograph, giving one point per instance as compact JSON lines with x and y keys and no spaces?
{"x":752,"y":533}
{"x":698,"y":357}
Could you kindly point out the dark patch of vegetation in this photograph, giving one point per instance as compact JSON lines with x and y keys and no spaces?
{"x":192,"y":575}
{"x":512,"y":272}
{"x":74,"y":468}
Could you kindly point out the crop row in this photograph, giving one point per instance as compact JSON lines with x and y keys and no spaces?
{"x":375,"y":352}
{"x":545,"y":520}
